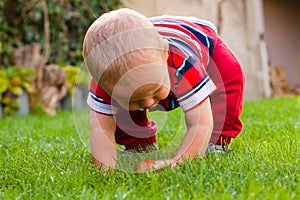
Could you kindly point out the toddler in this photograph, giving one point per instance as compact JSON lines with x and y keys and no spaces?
{"x":162,"y":63}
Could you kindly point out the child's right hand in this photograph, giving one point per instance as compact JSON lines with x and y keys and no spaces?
{"x":145,"y":166}
{"x":150,"y":165}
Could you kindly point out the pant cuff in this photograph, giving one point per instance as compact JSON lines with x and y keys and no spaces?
{"x":220,"y":139}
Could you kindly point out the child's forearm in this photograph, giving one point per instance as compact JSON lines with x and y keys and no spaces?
{"x":194,"y":143}
{"x":199,"y":123}
{"x":103,"y":151}
{"x":102,"y":140}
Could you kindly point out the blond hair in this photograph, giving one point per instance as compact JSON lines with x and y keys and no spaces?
{"x":118,"y":41}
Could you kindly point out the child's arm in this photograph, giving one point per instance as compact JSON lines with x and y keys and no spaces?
{"x":199,"y":122}
{"x":102,"y":140}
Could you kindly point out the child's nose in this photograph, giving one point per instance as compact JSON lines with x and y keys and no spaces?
{"x":147,"y":103}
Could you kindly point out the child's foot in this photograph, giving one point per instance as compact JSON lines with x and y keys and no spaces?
{"x":217,"y":148}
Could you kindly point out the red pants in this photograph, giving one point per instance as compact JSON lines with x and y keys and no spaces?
{"x":226,"y":72}
{"x":227,"y":101}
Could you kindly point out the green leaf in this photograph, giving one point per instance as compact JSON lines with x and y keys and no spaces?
{"x":29,"y":87}
{"x":4,"y":85}
{"x":16,"y":90}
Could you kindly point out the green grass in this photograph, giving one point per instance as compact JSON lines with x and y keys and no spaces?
{"x":42,"y":157}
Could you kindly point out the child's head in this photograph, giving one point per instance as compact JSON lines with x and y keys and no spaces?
{"x":122,"y":48}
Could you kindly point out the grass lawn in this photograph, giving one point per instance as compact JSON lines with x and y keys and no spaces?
{"x":42,"y":157}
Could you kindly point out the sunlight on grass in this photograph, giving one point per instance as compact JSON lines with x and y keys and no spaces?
{"x":44,"y":157}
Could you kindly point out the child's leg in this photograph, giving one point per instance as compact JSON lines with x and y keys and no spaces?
{"x":226,"y":72}
{"x":134,"y":129}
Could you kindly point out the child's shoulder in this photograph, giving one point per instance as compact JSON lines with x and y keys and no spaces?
{"x":183,"y":20}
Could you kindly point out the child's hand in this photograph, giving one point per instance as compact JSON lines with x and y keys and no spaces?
{"x":145,"y":166}
{"x":150,"y":165}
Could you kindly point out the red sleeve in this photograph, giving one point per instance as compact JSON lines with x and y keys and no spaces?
{"x":98,"y":100}
{"x":192,"y":85}
{"x":191,"y":41}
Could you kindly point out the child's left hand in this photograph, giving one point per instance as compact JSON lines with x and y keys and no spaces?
{"x":150,"y":165}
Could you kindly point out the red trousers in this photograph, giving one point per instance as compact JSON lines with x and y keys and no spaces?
{"x":136,"y":130}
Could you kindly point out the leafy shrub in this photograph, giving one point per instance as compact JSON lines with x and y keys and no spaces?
{"x":22,"y":22}
{"x":13,"y":82}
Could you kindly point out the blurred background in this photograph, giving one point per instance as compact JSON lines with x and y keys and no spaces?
{"x":41,"y":42}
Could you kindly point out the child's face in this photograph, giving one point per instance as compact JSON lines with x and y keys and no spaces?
{"x":145,"y":97}
{"x":142,"y":87}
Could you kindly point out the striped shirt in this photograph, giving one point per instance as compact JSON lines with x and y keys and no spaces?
{"x":191,"y":43}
